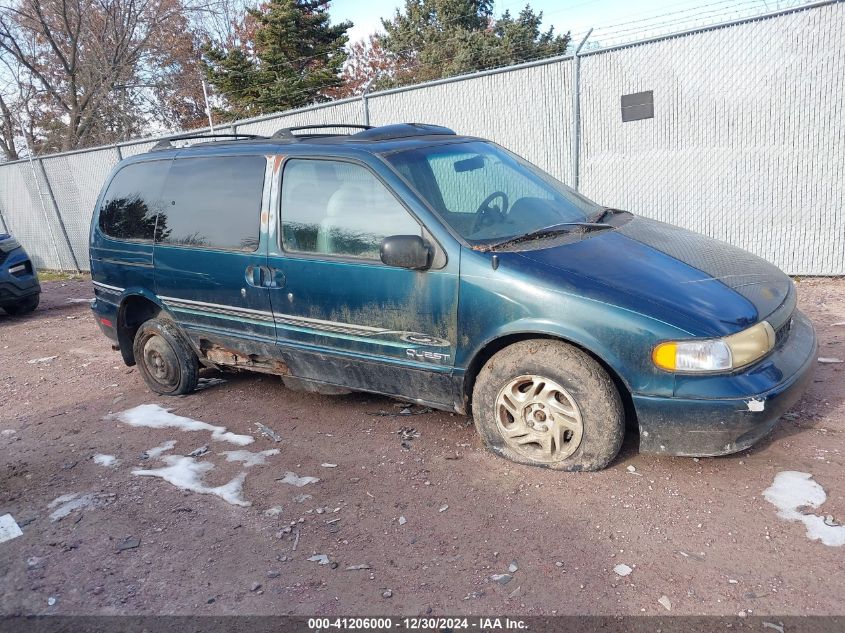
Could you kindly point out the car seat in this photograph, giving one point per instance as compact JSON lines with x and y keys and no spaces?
{"x":357,"y":221}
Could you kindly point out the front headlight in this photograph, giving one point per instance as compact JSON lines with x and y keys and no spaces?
{"x":715,"y":355}
{"x":9,"y":244}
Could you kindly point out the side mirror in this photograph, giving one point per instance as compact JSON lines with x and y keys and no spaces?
{"x":406,"y":251}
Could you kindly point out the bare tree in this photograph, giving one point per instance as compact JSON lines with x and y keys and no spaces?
{"x":98,"y":68}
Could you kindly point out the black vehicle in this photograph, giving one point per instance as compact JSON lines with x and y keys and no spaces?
{"x":19,"y":287}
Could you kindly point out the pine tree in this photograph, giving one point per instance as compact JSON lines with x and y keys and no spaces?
{"x":431,"y":39}
{"x":285,"y":54}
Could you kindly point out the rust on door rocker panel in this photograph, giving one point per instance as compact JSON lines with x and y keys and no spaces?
{"x":230,"y":358}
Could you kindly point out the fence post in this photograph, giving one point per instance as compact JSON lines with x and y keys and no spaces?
{"x":58,"y":214}
{"x":3,"y":222}
{"x":44,"y":211}
{"x":207,"y":107}
{"x":365,"y":99}
{"x":576,"y":115}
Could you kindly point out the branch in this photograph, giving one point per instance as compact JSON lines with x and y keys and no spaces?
{"x":7,"y":134}
{"x":48,"y":34}
{"x":11,"y":45}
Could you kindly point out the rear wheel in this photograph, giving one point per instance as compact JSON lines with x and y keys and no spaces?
{"x":24,"y":306}
{"x":545,"y":403}
{"x":165,"y":360}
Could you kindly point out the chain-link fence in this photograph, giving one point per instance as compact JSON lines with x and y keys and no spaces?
{"x":746,"y":142}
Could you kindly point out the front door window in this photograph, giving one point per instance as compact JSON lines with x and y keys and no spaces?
{"x":339,"y":209}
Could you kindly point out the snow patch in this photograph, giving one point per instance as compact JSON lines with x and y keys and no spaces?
{"x":43,"y":359}
{"x":295,"y":480}
{"x":62,"y":499}
{"x":156,"y":452}
{"x":187,"y":474}
{"x":320,"y":559}
{"x":9,"y":528}
{"x":68,"y":503}
{"x":755,"y":404}
{"x":249,"y":458}
{"x":78,"y":300}
{"x":105,"y":460}
{"x":156,"y":417}
{"x":792,"y":490}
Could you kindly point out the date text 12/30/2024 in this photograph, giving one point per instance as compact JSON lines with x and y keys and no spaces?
{"x":413,"y":624}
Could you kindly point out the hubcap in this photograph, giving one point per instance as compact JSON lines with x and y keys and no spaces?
{"x":539,"y":419}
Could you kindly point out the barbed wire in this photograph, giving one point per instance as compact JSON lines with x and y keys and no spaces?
{"x":711,"y":16}
{"x":678,"y":13}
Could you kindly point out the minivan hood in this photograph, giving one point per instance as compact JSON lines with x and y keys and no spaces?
{"x":702,"y":285}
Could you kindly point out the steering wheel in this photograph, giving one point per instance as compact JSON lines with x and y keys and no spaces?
{"x":486,"y":214}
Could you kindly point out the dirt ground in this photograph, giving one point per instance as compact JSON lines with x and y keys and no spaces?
{"x":433,"y":522}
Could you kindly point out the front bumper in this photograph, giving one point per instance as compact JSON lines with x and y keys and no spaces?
{"x":13,"y":292}
{"x":704,"y":427}
{"x":16,"y":285}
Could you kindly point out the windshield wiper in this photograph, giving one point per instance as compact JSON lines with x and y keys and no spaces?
{"x":562,"y":227}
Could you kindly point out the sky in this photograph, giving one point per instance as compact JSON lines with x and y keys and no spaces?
{"x":614,"y":20}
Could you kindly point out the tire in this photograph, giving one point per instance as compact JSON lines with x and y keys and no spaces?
{"x":167,"y":363}
{"x":546,"y":403}
{"x":27,"y":305}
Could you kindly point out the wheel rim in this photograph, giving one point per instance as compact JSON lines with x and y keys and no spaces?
{"x":161,"y":363}
{"x":539,"y":419}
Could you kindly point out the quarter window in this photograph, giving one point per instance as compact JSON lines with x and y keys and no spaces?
{"x":132,"y":202}
{"x":339,"y":208}
{"x":213,"y":202}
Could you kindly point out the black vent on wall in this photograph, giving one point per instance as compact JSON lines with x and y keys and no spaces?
{"x":639,"y":105}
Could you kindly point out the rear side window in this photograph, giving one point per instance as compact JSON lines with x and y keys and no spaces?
{"x":132,"y":201}
{"x":213,"y":202}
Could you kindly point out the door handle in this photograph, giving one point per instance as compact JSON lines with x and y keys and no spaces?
{"x":254,"y":275}
{"x":264,"y":277}
{"x":273,"y":277}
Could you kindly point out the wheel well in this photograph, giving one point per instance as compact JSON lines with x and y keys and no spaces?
{"x":134,"y":311}
{"x":499,"y":344}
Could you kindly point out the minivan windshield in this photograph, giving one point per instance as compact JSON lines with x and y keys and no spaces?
{"x":489,"y":195}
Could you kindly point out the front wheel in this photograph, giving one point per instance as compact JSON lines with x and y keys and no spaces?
{"x":165,"y":360}
{"x":546,"y":403}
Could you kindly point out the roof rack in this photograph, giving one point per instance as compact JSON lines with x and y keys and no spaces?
{"x":166,"y":142}
{"x":287,"y":133}
{"x":403,"y":130}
